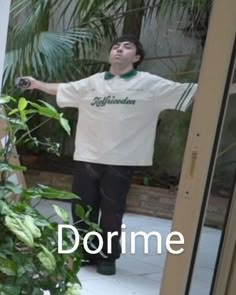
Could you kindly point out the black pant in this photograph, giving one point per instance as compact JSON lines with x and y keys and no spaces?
{"x":105,"y":188}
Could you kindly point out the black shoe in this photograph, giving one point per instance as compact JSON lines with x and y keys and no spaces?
{"x":106,"y":267}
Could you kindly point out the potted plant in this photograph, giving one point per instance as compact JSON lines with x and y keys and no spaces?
{"x":29,"y":260}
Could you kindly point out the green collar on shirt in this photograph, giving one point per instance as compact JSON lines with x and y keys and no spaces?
{"x":130,"y":74}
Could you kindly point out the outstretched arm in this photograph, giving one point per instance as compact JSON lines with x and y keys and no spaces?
{"x":174,"y":95}
{"x":50,"y":88}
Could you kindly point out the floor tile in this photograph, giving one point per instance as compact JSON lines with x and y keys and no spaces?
{"x":139,"y":273}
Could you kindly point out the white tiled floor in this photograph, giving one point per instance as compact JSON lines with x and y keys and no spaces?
{"x":139,"y":273}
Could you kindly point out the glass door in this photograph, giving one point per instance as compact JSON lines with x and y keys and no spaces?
{"x":213,"y":105}
{"x":223,"y":282}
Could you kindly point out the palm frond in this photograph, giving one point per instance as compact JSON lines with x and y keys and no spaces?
{"x":48,"y":54}
{"x":36,"y":47}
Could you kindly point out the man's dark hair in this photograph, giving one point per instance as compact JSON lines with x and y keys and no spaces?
{"x":136,"y":42}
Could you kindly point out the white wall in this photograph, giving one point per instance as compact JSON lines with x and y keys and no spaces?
{"x":4,"y":17}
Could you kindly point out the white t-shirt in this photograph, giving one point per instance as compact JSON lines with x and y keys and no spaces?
{"x":118,"y":117}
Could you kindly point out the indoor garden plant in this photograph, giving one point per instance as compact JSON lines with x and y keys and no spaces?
{"x":29,"y":260}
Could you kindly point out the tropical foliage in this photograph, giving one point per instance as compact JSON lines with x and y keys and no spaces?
{"x":51,"y":49}
{"x":29,"y":260}
{"x":61,"y":40}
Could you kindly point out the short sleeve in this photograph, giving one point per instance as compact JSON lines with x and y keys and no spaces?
{"x":173,"y":95}
{"x":70,"y":94}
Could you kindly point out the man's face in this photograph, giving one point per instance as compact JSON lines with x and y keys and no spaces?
{"x":123,"y":53}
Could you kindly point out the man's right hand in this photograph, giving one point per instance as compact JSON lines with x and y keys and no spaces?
{"x":27,"y":82}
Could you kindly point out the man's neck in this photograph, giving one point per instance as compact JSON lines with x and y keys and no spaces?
{"x":118,"y":70}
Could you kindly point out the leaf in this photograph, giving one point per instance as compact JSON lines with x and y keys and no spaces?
{"x":18,"y":167}
{"x":2,"y":192}
{"x":86,"y":216}
{"x":11,"y":168}
{"x":44,"y":111}
{"x":65,"y":124}
{"x":5,"y":167}
{"x":79,"y":211}
{"x":5,"y":99}
{"x":47,"y":259}
{"x":9,"y":290}
{"x":51,"y":107}
{"x":16,"y":189}
{"x":62,"y":213}
{"x":42,"y":223}
{"x":2,"y":255}
{"x":23,"y":116}
{"x":94,"y":226}
{"x":4,"y":209}
{"x":8,"y":267}
{"x":14,"y":121}
{"x":52,"y":54}
{"x":22,"y":104}
{"x":51,"y":193}
{"x":16,"y":226}
{"x":12,"y":112}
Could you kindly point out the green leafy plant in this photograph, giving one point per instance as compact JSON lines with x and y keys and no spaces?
{"x":57,"y":40}
{"x":29,"y":260}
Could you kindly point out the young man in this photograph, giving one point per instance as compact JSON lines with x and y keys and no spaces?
{"x":118,"y":113}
